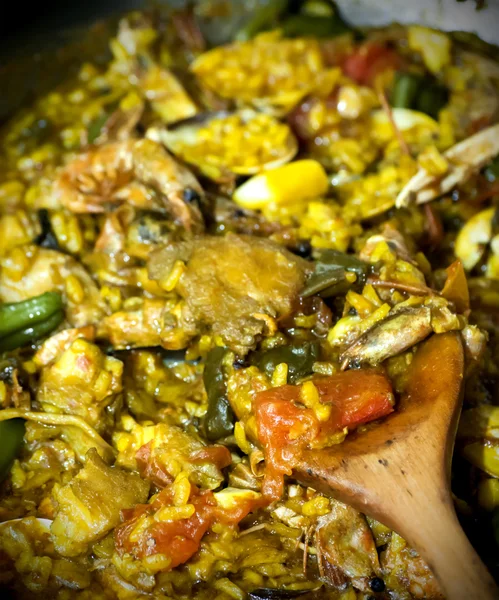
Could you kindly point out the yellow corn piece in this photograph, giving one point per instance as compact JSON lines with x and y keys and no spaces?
{"x":488,"y":494}
{"x":434,"y":46}
{"x":291,"y":183}
{"x":483,"y":455}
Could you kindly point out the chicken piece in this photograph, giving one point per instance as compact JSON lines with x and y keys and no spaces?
{"x":232,"y":286}
{"x":405,"y":572}
{"x":135,"y":328}
{"x":345,"y":548}
{"x":82,"y":382}
{"x":90,"y":505}
{"x":163,"y":451}
{"x":30,"y":271}
{"x":58,"y":343}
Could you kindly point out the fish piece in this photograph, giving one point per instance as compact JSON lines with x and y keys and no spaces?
{"x":346,"y":550}
{"x":398,"y":332}
{"x":465,"y":158}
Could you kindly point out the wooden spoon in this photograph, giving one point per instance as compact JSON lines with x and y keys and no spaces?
{"x":399,"y":472}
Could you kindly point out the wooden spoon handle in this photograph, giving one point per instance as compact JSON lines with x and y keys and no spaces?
{"x":437,"y":535}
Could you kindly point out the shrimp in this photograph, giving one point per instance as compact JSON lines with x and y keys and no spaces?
{"x":464,"y":158}
{"x":138,"y":172}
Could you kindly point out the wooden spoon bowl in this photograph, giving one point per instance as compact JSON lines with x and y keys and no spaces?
{"x":399,"y":472}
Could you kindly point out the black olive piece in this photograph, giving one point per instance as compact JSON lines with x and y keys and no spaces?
{"x":47,"y":238}
{"x":377,"y":584}
{"x":189,"y":195}
{"x":303,"y":248}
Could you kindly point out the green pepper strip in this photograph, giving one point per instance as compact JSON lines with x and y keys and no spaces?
{"x":329,"y":276}
{"x":29,"y":320}
{"x":299,"y":358}
{"x":12,"y":435}
{"x":263,"y":18}
{"x":219,"y":418}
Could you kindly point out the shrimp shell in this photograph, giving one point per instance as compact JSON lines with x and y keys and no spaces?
{"x":137,"y":172}
{"x":467,"y":157}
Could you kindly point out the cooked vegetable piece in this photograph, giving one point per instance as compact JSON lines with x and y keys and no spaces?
{"x":329,"y":276}
{"x":219,"y":418}
{"x":263,"y":18}
{"x":24,"y":322}
{"x":420,"y":93}
{"x":406,"y":89}
{"x":11,"y":436}
{"x":370,"y":60}
{"x":299,"y":358}
{"x":293,"y":183}
{"x":90,"y":504}
{"x":285,"y":429}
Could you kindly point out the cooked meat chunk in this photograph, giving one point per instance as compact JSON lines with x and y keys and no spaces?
{"x":82,"y":382}
{"x":137,"y":327}
{"x":231,"y":285}
{"x":90,"y":505}
{"x":346,"y":548}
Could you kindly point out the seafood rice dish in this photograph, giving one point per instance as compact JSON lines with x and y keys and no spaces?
{"x":216,"y":257}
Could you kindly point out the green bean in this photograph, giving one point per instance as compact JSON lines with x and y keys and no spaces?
{"x":27,"y":321}
{"x":418,"y":92}
{"x":11,"y":436}
{"x":95,"y":127}
{"x":21,"y":338}
{"x":405,"y":90}
{"x":219,"y":418}
{"x":298,"y":357}
{"x":263,"y":18}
